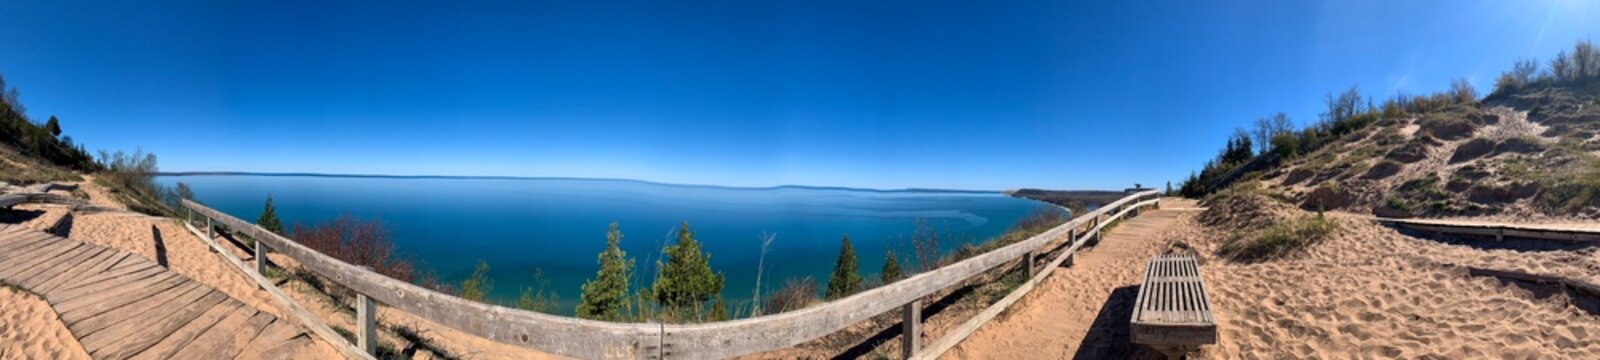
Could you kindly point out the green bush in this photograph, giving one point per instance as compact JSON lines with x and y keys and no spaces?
{"x":477,"y":286}
{"x":1278,"y":239}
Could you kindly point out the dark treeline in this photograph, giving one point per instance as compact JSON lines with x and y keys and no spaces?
{"x":40,"y":140}
{"x":1274,"y":138}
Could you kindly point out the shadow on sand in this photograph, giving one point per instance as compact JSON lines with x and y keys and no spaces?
{"x":1108,"y":336}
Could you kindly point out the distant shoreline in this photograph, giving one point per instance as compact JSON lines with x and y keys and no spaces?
{"x":505,"y":177}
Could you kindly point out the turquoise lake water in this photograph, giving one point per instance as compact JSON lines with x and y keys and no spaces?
{"x":559,"y":225}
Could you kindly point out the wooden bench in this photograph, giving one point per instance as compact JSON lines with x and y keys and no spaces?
{"x":1173,"y":313}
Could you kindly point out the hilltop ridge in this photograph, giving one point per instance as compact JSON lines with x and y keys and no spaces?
{"x":1529,"y":149}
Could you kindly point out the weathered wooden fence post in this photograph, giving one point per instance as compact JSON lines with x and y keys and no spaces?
{"x":911,"y":329}
{"x":367,"y":336}
{"x":1031,"y":269}
{"x":261,"y":257}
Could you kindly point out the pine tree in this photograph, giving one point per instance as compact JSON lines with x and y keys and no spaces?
{"x":605,"y":297}
{"x":477,"y":286}
{"x":891,"y":268}
{"x":53,"y":126}
{"x":845,"y":280}
{"x":685,"y":281}
{"x":719,"y":310}
{"x":269,"y":218}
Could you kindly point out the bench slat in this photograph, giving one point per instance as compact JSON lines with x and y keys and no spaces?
{"x":1172,"y":308}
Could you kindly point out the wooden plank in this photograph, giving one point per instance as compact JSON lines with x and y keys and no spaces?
{"x":8,"y":232}
{"x":43,"y":250}
{"x":11,"y":269}
{"x":24,"y":243}
{"x":186,"y":334}
{"x":95,"y":304}
{"x":31,"y":278}
{"x":90,"y":268}
{"x":9,"y":200}
{"x":129,"y":270}
{"x":249,"y":331}
{"x":118,"y":276}
{"x":87,"y":329}
{"x":78,"y":270}
{"x":279,"y":341}
{"x":140,"y":336}
{"x":221,"y":336}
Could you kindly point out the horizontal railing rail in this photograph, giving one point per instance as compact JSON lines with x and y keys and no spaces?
{"x":599,"y":339}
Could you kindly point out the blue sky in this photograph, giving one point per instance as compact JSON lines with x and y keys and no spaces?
{"x":976,"y":95}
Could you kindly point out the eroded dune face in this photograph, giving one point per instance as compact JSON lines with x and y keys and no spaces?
{"x":29,"y":329}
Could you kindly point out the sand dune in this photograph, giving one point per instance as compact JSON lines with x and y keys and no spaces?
{"x":1372,"y":292}
{"x":29,"y":329}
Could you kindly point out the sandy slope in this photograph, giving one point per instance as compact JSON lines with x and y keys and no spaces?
{"x":29,"y":329}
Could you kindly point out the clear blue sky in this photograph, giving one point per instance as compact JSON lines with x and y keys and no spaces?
{"x":982,"y":95}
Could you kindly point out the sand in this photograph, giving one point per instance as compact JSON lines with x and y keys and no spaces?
{"x":29,"y":329}
{"x":1373,"y":292}
{"x":1062,"y":318}
{"x":1367,"y":292}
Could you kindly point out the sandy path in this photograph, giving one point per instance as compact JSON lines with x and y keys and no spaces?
{"x":1064,"y":317}
{"x":29,"y":329}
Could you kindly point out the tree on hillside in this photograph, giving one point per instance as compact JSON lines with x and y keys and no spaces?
{"x":1239,"y":148}
{"x":183,"y":191}
{"x":605,"y":297}
{"x":269,"y":218}
{"x":891,"y":267}
{"x":53,"y":126}
{"x":685,"y":281}
{"x":539,"y":297}
{"x":1520,"y":75}
{"x":1268,"y":127}
{"x":1561,"y":68}
{"x":1462,"y":92}
{"x":1342,"y":107}
{"x":1585,"y":61}
{"x":477,"y":286}
{"x":845,"y":279}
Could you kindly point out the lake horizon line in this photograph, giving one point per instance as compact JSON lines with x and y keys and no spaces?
{"x":518,"y":177}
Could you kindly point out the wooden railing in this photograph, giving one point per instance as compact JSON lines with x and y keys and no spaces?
{"x":599,"y":339}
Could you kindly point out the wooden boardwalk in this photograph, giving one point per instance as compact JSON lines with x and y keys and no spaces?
{"x":125,"y":306}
